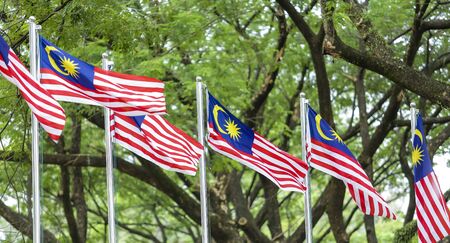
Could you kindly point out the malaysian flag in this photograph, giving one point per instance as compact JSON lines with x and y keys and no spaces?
{"x":47,"y":111}
{"x":433,"y":217}
{"x":72,"y":80}
{"x":328,"y":153}
{"x":230,"y":137}
{"x":155,"y":139}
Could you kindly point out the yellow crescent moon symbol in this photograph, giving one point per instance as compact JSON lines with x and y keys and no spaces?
{"x":49,"y":49}
{"x":419,"y":134}
{"x":318,"y":118}
{"x":216,"y":117}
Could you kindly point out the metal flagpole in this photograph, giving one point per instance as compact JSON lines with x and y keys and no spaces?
{"x":109,"y":166}
{"x":308,"y":213}
{"x":413,"y":121}
{"x":35,"y":173}
{"x":203,"y":184}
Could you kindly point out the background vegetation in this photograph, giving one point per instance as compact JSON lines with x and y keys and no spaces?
{"x":360,"y":63}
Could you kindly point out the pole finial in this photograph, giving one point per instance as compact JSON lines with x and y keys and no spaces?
{"x":105,"y":55}
{"x":31,"y":19}
{"x":413,"y":105}
{"x":302,"y":95}
{"x":198,"y":79}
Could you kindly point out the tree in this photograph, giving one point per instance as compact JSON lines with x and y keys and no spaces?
{"x":360,"y":63}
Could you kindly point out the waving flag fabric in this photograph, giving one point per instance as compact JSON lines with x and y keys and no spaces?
{"x":48,"y":112}
{"x":72,"y":80}
{"x":433,"y":217}
{"x":155,"y":139}
{"x":230,"y":137}
{"x":328,"y":153}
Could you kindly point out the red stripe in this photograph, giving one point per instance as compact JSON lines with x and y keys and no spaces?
{"x":24,"y":81}
{"x":171,"y":137}
{"x":435,"y":210}
{"x":340,"y":162}
{"x":270,"y":172}
{"x":178,"y":132}
{"x":22,"y":77}
{"x":150,"y":135}
{"x":275,"y":154}
{"x":426,"y":230}
{"x":127,"y":76}
{"x":362,"y":199}
{"x":146,"y":152}
{"x":381,"y":210}
{"x":292,"y":177}
{"x":318,"y":163}
{"x":152,"y":157}
{"x":125,"y":94}
{"x":157,"y":157}
{"x":437,"y":189}
{"x":426,"y":210}
{"x":126,"y":103}
{"x":371,"y":205}
{"x":239,"y":155}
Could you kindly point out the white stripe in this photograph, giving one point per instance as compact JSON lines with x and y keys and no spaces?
{"x":36,"y":93}
{"x":131,"y":82}
{"x":149,"y":149}
{"x":139,"y":153}
{"x":163,"y":138}
{"x":157,"y":144}
{"x":9,"y":78}
{"x":357,"y":187}
{"x":423,"y":232}
{"x":193,"y":149}
{"x":420,"y":208}
{"x":429,"y":202}
{"x":248,"y":161}
{"x":355,"y":165}
{"x":3,"y":64}
{"x":437,"y":196}
{"x":39,"y":108}
{"x":115,"y":101}
{"x":115,"y":91}
{"x":147,"y":146}
{"x":51,"y":130}
{"x":73,"y":99}
{"x":366,"y":202}
{"x":272,"y":149}
{"x":253,"y":167}
{"x":339,"y":167}
{"x":278,"y":171}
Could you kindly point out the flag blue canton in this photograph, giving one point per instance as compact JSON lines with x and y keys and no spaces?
{"x":322,"y":132}
{"x":4,"y":49}
{"x":236,"y":133}
{"x":138,"y":120}
{"x":420,"y":157}
{"x":65,"y":65}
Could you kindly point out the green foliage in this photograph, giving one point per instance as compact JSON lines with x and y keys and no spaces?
{"x":408,"y":233}
{"x":176,"y":41}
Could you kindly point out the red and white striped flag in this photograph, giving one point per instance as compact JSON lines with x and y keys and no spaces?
{"x":230,"y":137}
{"x":155,"y":139}
{"x":48,"y":112}
{"x":328,"y":153}
{"x":72,"y":80}
{"x":433,"y":216}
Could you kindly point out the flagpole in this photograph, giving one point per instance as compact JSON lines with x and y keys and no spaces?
{"x":35,"y":172}
{"x":202,"y":166}
{"x":109,"y":166}
{"x":413,"y":121}
{"x":308,"y":213}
